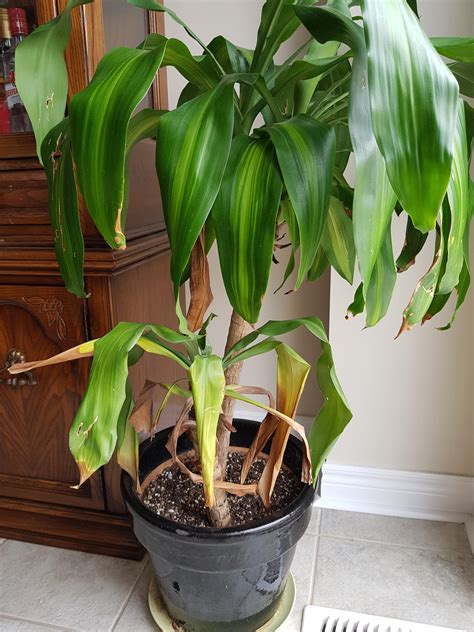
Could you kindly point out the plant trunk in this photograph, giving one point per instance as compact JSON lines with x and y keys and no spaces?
{"x":219,"y":515}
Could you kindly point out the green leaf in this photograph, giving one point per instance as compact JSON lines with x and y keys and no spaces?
{"x":244,"y":217}
{"x":333,"y":416}
{"x":319,"y":265}
{"x":40,"y":72}
{"x":99,"y":119}
{"x":338,"y":240}
{"x":413,"y":112}
{"x":193,"y":144}
{"x":207,"y":384}
{"x":459,"y":48}
{"x":306,"y":150}
{"x":63,"y":207}
{"x":195,"y":69}
{"x":425,"y":290}
{"x":464,"y":74}
{"x":93,"y":434}
{"x":305,"y":89}
{"x":414,"y":242}
{"x":382,"y":282}
{"x":154,"y":5}
{"x":127,"y":437}
{"x":458,"y":196}
{"x":262,"y":347}
{"x":358,"y":304}
{"x":374,"y":198}
{"x":462,"y":289}
{"x":277,"y":328}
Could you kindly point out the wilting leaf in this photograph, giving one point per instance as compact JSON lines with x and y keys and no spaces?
{"x":84,"y":350}
{"x":414,"y":242}
{"x":239,"y":392}
{"x":333,"y":416}
{"x":63,"y":207}
{"x":338,"y":240}
{"x":306,"y":150}
{"x":459,"y":48}
{"x":207,"y":384}
{"x":292,"y":372}
{"x":462,"y":289}
{"x":458,"y":196}
{"x":426,"y":287}
{"x":193,"y":144}
{"x":199,"y":285}
{"x":141,"y":415}
{"x":41,"y":75}
{"x":93,"y":434}
{"x":422,"y":97}
{"x":244,"y":218}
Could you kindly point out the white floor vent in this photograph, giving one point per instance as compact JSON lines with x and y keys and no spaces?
{"x":317,"y":619}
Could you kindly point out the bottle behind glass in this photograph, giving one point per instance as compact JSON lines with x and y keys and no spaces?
{"x":19,"y":121}
{"x":5,"y":44}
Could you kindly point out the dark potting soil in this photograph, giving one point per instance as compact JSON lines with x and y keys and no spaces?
{"x":174,"y":496}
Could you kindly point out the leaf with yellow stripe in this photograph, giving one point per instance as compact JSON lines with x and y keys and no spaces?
{"x":305,"y":151}
{"x":99,"y":120}
{"x":244,"y":218}
{"x":193,"y":144}
{"x":407,"y":99}
{"x":206,"y":376}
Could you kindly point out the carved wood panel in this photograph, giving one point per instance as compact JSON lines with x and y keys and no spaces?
{"x":37,"y":410}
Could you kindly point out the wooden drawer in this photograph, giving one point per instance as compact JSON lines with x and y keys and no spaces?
{"x":36,"y":410}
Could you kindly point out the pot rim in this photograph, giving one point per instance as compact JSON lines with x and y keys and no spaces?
{"x":287,"y":515}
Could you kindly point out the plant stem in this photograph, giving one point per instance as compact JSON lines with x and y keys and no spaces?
{"x":219,"y":515}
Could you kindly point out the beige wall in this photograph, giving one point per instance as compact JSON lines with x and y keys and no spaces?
{"x":412,"y":398}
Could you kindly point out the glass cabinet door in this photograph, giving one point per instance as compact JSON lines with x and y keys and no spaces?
{"x":18,"y":18}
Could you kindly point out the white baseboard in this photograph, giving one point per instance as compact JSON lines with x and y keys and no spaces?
{"x":398,"y":493}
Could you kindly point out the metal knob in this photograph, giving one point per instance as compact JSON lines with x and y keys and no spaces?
{"x":14,"y":356}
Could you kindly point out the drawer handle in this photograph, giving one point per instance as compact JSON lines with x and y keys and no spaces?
{"x":25,"y":379}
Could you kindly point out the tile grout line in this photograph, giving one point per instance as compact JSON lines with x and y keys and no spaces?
{"x":45,"y":624}
{"x":114,"y":623}
{"x":312,"y":584}
{"x":395,"y":544}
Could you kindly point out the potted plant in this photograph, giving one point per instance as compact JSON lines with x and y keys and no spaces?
{"x":253,"y":150}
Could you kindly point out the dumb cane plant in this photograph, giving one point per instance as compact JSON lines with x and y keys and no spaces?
{"x":254,"y":149}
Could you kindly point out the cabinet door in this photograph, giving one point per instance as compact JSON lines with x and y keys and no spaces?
{"x":36,"y":410}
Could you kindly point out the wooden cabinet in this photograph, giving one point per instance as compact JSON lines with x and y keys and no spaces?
{"x":39,"y":318}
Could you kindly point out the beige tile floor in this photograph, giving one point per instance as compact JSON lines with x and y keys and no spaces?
{"x":409,"y":569}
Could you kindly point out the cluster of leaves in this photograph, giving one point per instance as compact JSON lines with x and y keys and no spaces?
{"x":390,"y":100}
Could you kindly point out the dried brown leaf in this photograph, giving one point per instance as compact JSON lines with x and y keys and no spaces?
{"x":141,"y":417}
{"x":199,"y":285}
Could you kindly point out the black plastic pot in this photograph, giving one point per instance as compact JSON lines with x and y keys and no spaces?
{"x":227,"y":579}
